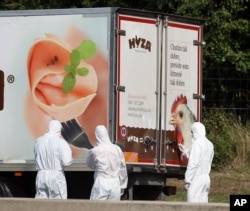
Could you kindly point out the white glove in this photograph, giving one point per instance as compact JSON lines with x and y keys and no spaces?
{"x":186,"y":186}
{"x":185,"y":152}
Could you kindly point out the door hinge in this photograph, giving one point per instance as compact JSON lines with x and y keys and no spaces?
{"x":119,"y":88}
{"x":199,"y":43}
{"x":120,"y":32}
{"x":199,"y":97}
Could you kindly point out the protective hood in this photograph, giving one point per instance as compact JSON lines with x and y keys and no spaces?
{"x":101,"y":135}
{"x":55,"y":127}
{"x":198,"y":130}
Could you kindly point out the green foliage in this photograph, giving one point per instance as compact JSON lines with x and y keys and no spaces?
{"x":217,"y":123}
{"x":231,"y":139}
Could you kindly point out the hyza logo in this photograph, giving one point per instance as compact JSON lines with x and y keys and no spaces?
{"x":139,"y":42}
{"x":239,"y":202}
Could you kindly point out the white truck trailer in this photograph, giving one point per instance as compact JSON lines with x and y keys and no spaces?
{"x":136,"y":72}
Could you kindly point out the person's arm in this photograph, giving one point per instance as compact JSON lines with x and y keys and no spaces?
{"x":123,"y":174}
{"x":67,"y":158}
{"x":90,"y":160}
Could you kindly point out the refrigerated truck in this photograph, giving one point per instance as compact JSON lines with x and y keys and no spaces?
{"x":123,"y":68}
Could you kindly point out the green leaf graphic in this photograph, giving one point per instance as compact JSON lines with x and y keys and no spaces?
{"x":68,"y":83}
{"x":87,"y":49}
{"x":75,"y":58}
{"x":82,"y":71}
{"x":68,"y":68}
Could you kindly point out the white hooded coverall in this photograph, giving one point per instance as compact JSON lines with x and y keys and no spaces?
{"x":52,"y":153}
{"x":197,"y":179}
{"x":110,"y":168}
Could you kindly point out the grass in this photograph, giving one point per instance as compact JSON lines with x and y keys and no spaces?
{"x":223,"y":184}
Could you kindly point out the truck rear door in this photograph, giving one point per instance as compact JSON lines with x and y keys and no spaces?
{"x":138,"y":72}
{"x":157,"y":64}
{"x":181,"y":83}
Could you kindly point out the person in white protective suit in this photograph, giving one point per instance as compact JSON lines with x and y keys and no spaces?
{"x":52,"y":153}
{"x":197,"y":179}
{"x":106,"y":158}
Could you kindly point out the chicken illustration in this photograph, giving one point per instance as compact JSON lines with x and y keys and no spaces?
{"x":182,"y":118}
